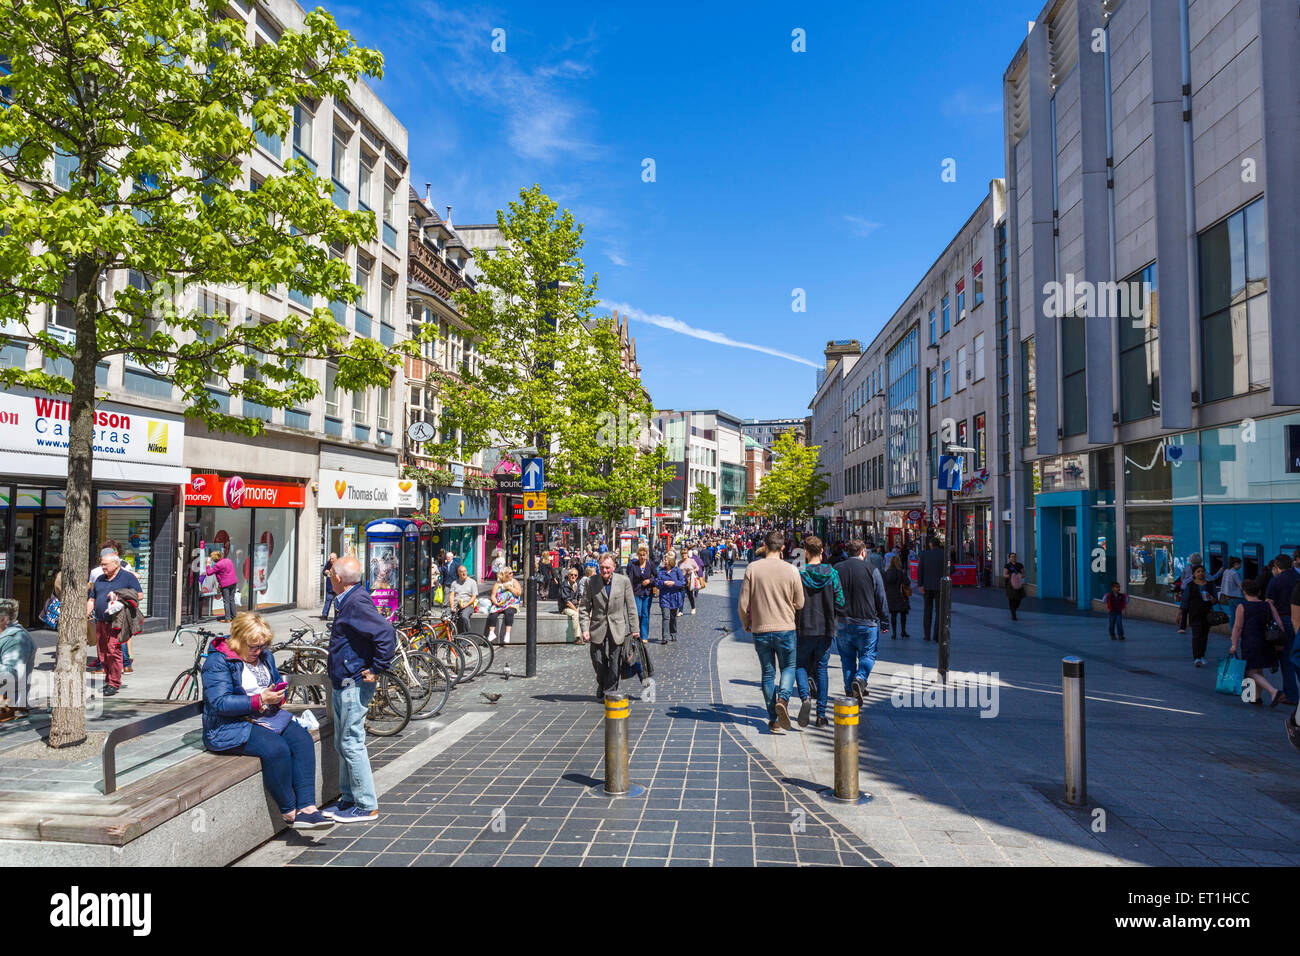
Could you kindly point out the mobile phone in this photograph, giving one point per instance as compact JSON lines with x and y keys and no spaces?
{"x":280,"y":686}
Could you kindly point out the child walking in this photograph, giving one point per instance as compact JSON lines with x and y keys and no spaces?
{"x":1116,"y":601}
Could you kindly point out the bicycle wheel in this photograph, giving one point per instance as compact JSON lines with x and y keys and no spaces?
{"x":390,"y":708}
{"x":186,"y":686}
{"x":473,"y":657}
{"x":417,"y":671}
{"x":448,"y":655}
{"x":487,"y":653}
{"x":440,"y":684}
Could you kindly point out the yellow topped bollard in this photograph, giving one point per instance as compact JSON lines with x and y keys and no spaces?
{"x":846,"y":788}
{"x":617,"y":709}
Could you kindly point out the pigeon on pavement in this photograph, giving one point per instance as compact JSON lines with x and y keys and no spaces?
{"x":491,"y":698}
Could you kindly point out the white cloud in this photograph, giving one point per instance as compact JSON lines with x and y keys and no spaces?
{"x":861,"y":227}
{"x":718,"y":338}
{"x":615,"y":258}
{"x":962,"y":103}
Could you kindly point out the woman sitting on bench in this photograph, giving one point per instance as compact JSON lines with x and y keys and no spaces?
{"x":242,"y":714}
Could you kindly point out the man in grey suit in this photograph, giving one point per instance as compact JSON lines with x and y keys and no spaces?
{"x":929,"y":574}
{"x":608,"y":616}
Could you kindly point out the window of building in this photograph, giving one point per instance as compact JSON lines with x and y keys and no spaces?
{"x":903,"y":404}
{"x":386,"y":283}
{"x":934,"y":335}
{"x":961,"y":368}
{"x":945,"y":316}
{"x":383,"y":399}
{"x":364,"y":266}
{"x":981,"y":442}
{"x":961,"y":299}
{"x":947,"y":378}
{"x":1234,"y":305}
{"x":1074,"y":381}
{"x":1139,"y":348}
{"x":366,"y":180}
{"x":339,"y":157}
{"x":332,"y":398}
{"x":360,"y":409}
{"x":977,"y":280}
{"x":303,"y":124}
{"x":979,"y":356}
{"x":962,"y":434}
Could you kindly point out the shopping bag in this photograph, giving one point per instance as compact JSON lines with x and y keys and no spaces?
{"x":1232,"y":671}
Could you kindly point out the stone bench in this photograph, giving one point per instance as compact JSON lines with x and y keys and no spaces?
{"x":208,"y":810}
{"x":552,"y":627}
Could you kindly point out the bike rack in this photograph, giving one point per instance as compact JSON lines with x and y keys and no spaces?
{"x":138,"y":728}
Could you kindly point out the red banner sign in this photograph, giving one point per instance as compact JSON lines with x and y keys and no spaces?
{"x":213,"y":491}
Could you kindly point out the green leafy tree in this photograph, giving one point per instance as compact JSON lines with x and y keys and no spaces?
{"x":152,"y":104}
{"x":704,"y":507}
{"x":795,"y":488}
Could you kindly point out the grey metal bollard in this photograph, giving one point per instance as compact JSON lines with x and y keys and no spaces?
{"x":617,"y":708}
{"x":1076,"y":762}
{"x":846,"y":789}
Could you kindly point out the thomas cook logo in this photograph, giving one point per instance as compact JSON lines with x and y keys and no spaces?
{"x":404,"y":486}
{"x":339,"y":488}
{"x":157,"y":438}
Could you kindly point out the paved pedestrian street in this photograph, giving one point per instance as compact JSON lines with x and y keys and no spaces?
{"x":1176,"y":773}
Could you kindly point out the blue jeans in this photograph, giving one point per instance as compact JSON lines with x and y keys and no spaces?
{"x":813,"y":655}
{"x":643,"y":615}
{"x":856,"y":642}
{"x":288,"y":764}
{"x":356,"y":784}
{"x":776,"y":649}
{"x":1115,"y":623}
{"x":329,"y":600}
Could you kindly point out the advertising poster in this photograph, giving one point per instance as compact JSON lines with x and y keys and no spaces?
{"x":383,"y":578}
{"x":261,"y":558}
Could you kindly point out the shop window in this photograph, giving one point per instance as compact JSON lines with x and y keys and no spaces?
{"x":1151,"y":552}
{"x":1148,"y":476}
{"x":981,"y":442}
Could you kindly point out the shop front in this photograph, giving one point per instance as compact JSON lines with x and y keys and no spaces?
{"x":348,"y":501}
{"x":465,"y":517}
{"x":137,"y":477}
{"x":255,"y":523}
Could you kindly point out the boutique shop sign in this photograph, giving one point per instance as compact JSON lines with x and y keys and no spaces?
{"x":38,"y":424}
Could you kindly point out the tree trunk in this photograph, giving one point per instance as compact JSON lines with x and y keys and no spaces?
{"x":68,"y":718}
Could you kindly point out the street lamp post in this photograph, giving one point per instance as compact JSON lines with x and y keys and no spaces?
{"x":945,"y":584}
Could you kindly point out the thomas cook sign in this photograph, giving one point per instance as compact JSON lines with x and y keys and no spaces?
{"x":354,"y":491}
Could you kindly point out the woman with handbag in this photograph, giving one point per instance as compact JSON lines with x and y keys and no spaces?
{"x":1250,"y":633}
{"x":671,"y":586}
{"x":898,"y":593}
{"x":693,"y":583}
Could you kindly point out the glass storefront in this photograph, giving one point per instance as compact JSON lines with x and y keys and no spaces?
{"x":344,"y":533}
{"x":31,"y":542}
{"x":262,"y":544}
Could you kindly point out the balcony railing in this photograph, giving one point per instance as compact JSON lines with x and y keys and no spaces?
{"x":386,"y":334}
{"x":300,"y":297}
{"x":299,"y":154}
{"x":361,"y":432}
{"x":222,"y":399}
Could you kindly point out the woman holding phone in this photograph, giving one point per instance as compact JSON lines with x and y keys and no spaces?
{"x":243,"y":714}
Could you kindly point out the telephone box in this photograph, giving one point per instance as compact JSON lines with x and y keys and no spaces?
{"x":426,"y":571}
{"x":392,"y":549}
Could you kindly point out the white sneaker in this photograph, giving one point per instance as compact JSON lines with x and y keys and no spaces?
{"x":505,"y":638}
{"x":1200,"y":661}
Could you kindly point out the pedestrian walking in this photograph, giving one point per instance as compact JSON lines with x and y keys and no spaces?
{"x":1198,"y":601}
{"x":1230,"y":588}
{"x":608,"y":615}
{"x":929,"y":575}
{"x":223,"y":569}
{"x":864,"y":617}
{"x":694,"y":580}
{"x":329,"y":588}
{"x":898,"y":595}
{"x":769,"y":597}
{"x":362,"y":644}
{"x":1116,"y":602}
{"x":1281,"y":587}
{"x":1013,"y":579}
{"x":1250,"y":638}
{"x":643,"y":574}
{"x":823,"y":597}
{"x":671,"y":585}
{"x":102,"y":590}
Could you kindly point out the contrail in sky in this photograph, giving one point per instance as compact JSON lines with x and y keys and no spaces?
{"x":677,"y":325}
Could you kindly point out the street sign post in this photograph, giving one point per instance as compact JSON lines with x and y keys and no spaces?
{"x":533,"y":474}
{"x":535,"y":506}
{"x":950,"y":471}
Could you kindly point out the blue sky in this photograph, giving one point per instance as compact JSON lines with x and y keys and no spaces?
{"x":774,"y":170}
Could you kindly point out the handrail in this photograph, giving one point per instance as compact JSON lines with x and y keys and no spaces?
{"x":138,"y":728}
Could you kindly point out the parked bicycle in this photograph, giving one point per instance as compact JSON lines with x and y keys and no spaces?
{"x":390,"y":707}
{"x":188,"y":684}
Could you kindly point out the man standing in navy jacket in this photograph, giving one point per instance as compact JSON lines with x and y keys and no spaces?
{"x":361,"y":644}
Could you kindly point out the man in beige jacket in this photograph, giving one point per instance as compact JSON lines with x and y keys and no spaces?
{"x":608,"y":616}
{"x":769,"y":598}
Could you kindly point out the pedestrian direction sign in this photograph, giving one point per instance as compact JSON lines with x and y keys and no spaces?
{"x":534,"y":474}
{"x":950,"y":468}
{"x":535,"y":506}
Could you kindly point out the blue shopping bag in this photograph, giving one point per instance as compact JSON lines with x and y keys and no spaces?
{"x":1232,"y":671}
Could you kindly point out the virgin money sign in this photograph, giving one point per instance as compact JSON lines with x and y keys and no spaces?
{"x":359,"y":492}
{"x":213,"y":491}
{"x":39,"y":424}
